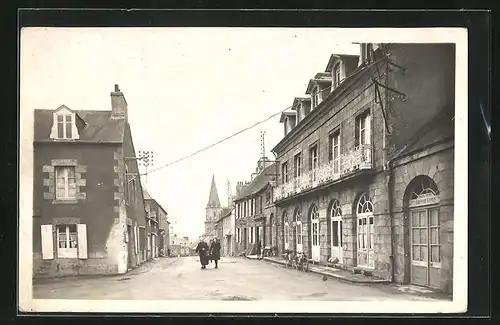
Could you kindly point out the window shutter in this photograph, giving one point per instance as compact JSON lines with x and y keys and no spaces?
{"x":367,"y":129}
{"x":330,"y":148}
{"x":136,"y":241}
{"x":82,"y":240}
{"x":356,"y":132}
{"x":47,"y":242}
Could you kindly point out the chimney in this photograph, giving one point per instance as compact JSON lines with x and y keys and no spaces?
{"x":118,"y":104}
{"x":239,"y":188}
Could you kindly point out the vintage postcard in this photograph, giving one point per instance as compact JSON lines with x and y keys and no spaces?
{"x":243,"y":170}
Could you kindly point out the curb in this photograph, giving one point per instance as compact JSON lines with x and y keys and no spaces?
{"x":332,"y":275}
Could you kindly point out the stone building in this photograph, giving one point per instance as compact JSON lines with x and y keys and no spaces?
{"x":89,"y":215}
{"x":213,"y":211}
{"x":225,"y":231}
{"x":366,"y":165}
{"x":156,"y":215}
{"x":252,"y":211}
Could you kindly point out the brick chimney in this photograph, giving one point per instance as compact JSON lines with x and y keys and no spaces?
{"x":118,"y":104}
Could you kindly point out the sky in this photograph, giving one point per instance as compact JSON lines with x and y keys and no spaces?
{"x":186,"y":88}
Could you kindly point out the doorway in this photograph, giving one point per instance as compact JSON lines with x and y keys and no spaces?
{"x":365,"y":228}
{"x":336,"y":232}
{"x":315,"y":246}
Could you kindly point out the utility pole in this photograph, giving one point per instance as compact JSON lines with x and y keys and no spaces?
{"x":262,"y":143}
{"x":146,"y":159}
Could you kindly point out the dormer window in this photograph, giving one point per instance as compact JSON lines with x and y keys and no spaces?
{"x":336,"y":75}
{"x":64,"y":126}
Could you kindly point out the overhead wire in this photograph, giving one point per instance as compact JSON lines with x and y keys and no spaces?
{"x":271,"y":116}
{"x":216,"y":143}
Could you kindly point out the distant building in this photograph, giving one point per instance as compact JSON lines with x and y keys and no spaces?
{"x":89,"y":215}
{"x":158,"y":239}
{"x":254,"y":209}
{"x":213,"y":211}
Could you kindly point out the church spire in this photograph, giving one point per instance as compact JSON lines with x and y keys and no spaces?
{"x":213,"y":199}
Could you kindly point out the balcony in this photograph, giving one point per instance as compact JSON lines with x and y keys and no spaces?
{"x":351,"y":162}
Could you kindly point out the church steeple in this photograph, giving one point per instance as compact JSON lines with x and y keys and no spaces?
{"x":213,"y":199}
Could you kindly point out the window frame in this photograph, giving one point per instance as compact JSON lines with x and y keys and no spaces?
{"x":66,"y":186}
{"x":64,"y":127}
{"x":67,"y":252}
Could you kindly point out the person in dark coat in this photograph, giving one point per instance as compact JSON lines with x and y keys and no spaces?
{"x":202,"y":250}
{"x":215,"y":251}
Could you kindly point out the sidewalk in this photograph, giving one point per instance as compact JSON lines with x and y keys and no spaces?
{"x":350,"y":277}
{"x":339,"y":274}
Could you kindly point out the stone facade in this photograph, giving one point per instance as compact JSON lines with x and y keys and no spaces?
{"x":95,"y":230}
{"x":403,"y":97}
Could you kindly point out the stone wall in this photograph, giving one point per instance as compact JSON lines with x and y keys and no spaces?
{"x":437,"y":164}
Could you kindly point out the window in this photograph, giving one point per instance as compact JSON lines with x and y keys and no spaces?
{"x":297,"y":165}
{"x":362,"y":129}
{"x":65,"y":183}
{"x":284,"y":172}
{"x":336,"y":75}
{"x":313,"y":161}
{"x":313,"y":157}
{"x":316,"y":96}
{"x":335,"y":150}
{"x":71,"y":240}
{"x":64,"y":126}
{"x":261,"y":203}
{"x":365,"y":223}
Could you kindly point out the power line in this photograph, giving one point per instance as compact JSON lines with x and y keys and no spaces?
{"x":268,"y":118}
{"x":218,"y":142}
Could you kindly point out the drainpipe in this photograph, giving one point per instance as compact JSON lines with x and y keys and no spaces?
{"x":390,"y":190}
{"x":276,"y":217}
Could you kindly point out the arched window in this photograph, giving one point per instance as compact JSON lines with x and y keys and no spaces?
{"x":315,"y":247}
{"x":364,"y":204}
{"x":298,"y":228}
{"x":423,"y":191}
{"x":286,"y":230}
{"x":336,"y":227}
{"x":422,"y":199}
{"x":364,"y":213}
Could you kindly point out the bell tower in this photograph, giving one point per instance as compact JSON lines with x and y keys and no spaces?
{"x":213,"y":210}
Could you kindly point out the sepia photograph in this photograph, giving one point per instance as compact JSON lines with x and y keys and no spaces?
{"x":243,"y":170}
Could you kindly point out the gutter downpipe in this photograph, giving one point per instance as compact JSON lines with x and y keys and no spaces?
{"x":276,"y":217}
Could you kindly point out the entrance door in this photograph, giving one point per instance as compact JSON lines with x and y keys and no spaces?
{"x":365,"y":229}
{"x":315,"y":247}
{"x":130,"y":247}
{"x":298,"y":231}
{"x":336,"y":227}
{"x":425,"y":247}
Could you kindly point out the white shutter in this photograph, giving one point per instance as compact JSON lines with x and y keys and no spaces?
{"x":82,"y":240}
{"x":368,"y":129}
{"x":136,"y":236}
{"x":47,"y":242}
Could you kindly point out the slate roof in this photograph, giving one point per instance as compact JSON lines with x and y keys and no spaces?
{"x":259,"y":182}
{"x":145,"y":193}
{"x":213,"y":198}
{"x":99,"y":126}
{"x":439,"y":128}
{"x":225,"y":212}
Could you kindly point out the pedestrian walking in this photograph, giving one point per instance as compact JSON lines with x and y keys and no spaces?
{"x":210,"y":245}
{"x":202,"y":250}
{"x":215,"y":251}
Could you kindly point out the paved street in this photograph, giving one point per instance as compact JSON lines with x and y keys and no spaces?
{"x":236,"y":279}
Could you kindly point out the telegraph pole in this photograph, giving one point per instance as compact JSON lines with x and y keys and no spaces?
{"x":262,"y":143}
{"x":146,"y":159}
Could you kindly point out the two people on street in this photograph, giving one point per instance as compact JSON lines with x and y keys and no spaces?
{"x":208,"y":253}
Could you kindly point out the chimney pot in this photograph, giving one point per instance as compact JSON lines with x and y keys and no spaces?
{"x":117,"y":89}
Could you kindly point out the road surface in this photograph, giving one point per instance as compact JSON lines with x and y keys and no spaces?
{"x":235,"y":279}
